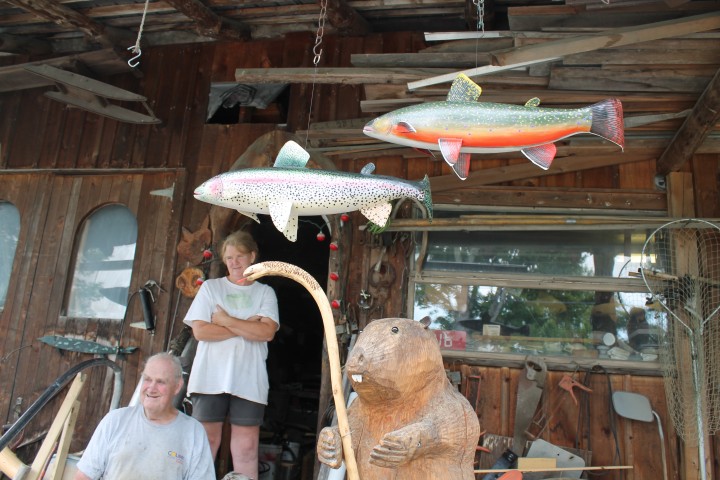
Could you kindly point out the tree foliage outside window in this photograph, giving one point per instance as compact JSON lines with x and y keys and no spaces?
{"x":103,"y":265}
{"x":458,"y":292}
{"x":9,"y":234}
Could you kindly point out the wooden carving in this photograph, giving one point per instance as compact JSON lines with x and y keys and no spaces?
{"x":407,"y":422}
{"x":192,"y":244}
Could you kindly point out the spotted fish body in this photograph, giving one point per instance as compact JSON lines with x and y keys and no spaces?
{"x":288,"y":190}
{"x":461,"y":125}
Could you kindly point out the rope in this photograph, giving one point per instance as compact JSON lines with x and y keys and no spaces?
{"x":134,"y":62}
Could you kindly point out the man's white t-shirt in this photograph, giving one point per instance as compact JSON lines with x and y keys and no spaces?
{"x":127,"y":446}
{"x":236,"y":365}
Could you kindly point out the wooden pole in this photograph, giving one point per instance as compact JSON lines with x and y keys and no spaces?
{"x":306,"y":280}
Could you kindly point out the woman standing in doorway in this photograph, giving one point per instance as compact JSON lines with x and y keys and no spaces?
{"x":232,"y":319}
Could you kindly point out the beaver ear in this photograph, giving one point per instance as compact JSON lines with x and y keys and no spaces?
{"x":425,"y":322}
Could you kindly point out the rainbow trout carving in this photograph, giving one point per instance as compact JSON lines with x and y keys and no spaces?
{"x":461,"y":125}
{"x":289,"y":189}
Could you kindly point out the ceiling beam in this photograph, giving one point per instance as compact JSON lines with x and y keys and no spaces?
{"x":71,"y":19}
{"x":344,"y":18}
{"x":694,"y":130}
{"x":208,"y":24}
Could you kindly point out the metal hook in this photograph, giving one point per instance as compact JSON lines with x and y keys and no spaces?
{"x":137,"y":50}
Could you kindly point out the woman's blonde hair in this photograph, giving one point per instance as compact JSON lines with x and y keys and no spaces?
{"x":241,"y":240}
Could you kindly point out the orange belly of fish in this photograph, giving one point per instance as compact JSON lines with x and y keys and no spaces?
{"x":502,"y":137}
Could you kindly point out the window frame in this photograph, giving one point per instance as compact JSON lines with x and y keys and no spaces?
{"x":521,"y":222}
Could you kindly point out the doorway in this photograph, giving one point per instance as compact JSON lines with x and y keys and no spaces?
{"x":295,"y":355}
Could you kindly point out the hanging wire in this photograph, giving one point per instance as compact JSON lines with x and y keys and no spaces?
{"x":317,"y":51}
{"x":134,"y":61}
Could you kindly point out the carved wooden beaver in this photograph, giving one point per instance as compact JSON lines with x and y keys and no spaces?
{"x":407,"y":422}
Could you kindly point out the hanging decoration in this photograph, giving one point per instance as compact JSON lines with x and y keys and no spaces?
{"x":289,"y":189}
{"x":461,"y":125}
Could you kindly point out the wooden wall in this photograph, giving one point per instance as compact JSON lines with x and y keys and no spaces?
{"x":57,"y":164}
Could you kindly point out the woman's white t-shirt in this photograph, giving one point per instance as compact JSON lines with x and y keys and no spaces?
{"x":236,"y":365}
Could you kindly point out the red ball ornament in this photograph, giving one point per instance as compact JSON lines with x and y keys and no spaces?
{"x":344,"y":217}
{"x":207,"y":254}
{"x":334,"y":276}
{"x":335,"y":304}
{"x":199,"y":281}
{"x":334,"y":247}
{"x":320,"y":237}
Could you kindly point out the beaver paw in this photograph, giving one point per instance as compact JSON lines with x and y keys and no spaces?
{"x":329,"y":447}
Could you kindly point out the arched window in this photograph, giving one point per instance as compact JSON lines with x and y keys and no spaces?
{"x":103,"y":264}
{"x":9,"y":234}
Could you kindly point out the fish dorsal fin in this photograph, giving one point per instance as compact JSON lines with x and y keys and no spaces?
{"x":533,"y":102}
{"x":378,"y":213}
{"x":292,"y":155}
{"x":284,"y":218}
{"x":368,"y":169}
{"x":464,"y":90}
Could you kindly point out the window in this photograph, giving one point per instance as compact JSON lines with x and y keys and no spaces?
{"x":9,"y":234}
{"x":539,"y":289}
{"x":103,"y":265}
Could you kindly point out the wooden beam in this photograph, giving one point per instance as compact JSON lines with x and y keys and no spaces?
{"x":525,"y":170}
{"x":68,"y":18}
{"x":18,"y":44}
{"x":208,"y":24}
{"x":694,"y":130}
{"x":345,"y":75}
{"x":610,"y":38}
{"x":556,"y":49}
{"x":344,"y":18}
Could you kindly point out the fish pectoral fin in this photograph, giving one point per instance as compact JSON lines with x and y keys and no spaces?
{"x":378,"y":213}
{"x":462,"y":166}
{"x":533,"y":102}
{"x":541,"y":155}
{"x":284,"y":218}
{"x":250,"y":214}
{"x":450,"y":149}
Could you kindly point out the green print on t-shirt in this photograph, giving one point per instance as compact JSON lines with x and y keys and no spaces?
{"x":237,"y":301}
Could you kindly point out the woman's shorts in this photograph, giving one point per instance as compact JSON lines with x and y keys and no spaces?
{"x":215,"y":408}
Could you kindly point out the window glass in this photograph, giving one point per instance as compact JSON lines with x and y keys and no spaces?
{"x":9,"y":234}
{"x":548,"y":292}
{"x":103,"y":265}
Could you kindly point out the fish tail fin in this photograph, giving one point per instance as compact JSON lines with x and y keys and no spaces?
{"x":607,"y":121}
{"x":427,"y":197}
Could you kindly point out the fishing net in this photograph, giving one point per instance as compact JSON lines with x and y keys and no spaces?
{"x":681,"y":268}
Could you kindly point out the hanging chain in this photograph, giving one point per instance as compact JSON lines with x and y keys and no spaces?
{"x":480,"y":6}
{"x":317,"y":51}
{"x":320,"y":31}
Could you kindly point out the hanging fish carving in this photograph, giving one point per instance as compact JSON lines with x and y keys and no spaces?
{"x":289,"y":189}
{"x":461,"y":125}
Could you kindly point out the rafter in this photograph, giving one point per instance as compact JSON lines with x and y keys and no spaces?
{"x":69,"y":18}
{"x":207,"y":23}
{"x":694,"y":130}
{"x":345,"y":19}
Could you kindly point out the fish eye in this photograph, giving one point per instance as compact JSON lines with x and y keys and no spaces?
{"x":394,"y":329}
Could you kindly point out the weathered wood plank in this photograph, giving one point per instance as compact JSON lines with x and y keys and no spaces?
{"x":348,"y":75}
{"x":616,"y":79}
{"x":548,"y":199}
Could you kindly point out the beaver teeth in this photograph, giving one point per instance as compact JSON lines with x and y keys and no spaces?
{"x":357,"y":378}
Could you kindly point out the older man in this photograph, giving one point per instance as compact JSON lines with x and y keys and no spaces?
{"x":152,"y":440}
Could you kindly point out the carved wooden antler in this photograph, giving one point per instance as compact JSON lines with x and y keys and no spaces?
{"x":306,"y":280}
